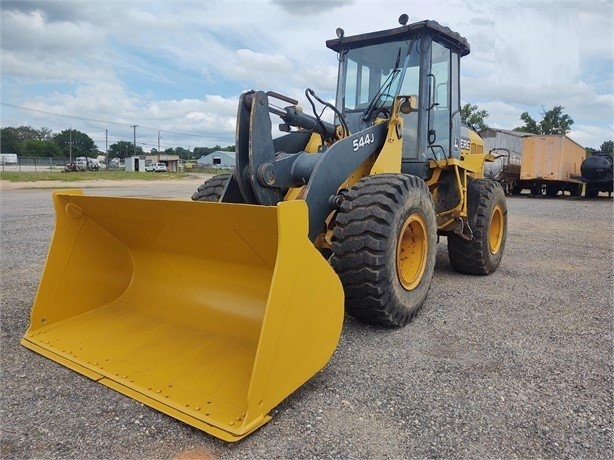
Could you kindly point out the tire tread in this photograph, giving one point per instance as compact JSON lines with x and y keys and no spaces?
{"x":363,"y":227}
{"x":211,"y":189}
{"x":473,"y":257}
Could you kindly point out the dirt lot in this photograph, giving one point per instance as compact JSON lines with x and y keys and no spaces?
{"x":188,"y":183}
{"x":515,"y":365}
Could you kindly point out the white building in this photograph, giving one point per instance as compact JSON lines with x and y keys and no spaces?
{"x":135,"y":164}
{"x":218,"y":159}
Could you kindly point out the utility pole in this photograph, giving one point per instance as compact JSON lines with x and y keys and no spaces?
{"x":134,"y":128}
{"x":70,"y":143}
{"x":106,"y":147}
{"x":158,"y":146}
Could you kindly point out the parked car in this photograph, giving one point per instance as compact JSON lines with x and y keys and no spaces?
{"x":149,"y":167}
{"x":159,"y":167}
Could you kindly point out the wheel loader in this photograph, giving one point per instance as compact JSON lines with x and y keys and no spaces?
{"x":339,"y":214}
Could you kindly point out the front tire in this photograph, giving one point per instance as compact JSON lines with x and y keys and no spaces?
{"x":487,"y":213}
{"x":211,"y":189}
{"x":384,"y":246}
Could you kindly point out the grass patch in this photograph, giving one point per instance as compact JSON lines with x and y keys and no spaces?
{"x":15,"y":176}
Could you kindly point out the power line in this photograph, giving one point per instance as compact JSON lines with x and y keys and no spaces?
{"x":62,"y":115}
{"x":76,"y":117}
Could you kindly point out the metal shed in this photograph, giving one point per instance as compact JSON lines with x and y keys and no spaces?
{"x":135,"y":163}
{"x":218,"y":159}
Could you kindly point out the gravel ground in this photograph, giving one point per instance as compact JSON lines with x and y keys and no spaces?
{"x":515,"y":365}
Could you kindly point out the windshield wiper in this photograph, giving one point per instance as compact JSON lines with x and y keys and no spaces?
{"x":374,"y":103}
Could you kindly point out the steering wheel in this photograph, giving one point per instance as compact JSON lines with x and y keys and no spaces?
{"x":382,"y":109}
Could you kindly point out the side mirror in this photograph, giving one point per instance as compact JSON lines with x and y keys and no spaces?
{"x":408,"y":105}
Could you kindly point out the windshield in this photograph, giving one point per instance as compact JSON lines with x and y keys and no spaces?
{"x":375,"y":72}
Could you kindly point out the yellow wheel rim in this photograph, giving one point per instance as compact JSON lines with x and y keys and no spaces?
{"x":495,"y":236}
{"x":412,"y":251}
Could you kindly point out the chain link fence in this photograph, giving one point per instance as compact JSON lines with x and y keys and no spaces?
{"x":24,"y":164}
{"x":48,"y":164}
{"x":35,"y":164}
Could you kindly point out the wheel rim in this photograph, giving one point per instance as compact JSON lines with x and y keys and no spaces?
{"x":412,"y":250}
{"x":495,"y":236}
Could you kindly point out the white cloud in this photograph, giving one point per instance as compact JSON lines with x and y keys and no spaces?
{"x":591,"y":136}
{"x":597,"y":29}
{"x":32,"y":32}
{"x":180,"y":66}
{"x":502,"y":115}
{"x":537,"y":45}
{"x":35,"y":49}
{"x":249,"y":66}
{"x":312,"y":7}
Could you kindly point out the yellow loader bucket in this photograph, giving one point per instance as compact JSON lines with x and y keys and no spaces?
{"x":212,"y":313}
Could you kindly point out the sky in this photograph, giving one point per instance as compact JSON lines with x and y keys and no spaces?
{"x":176,"y":69}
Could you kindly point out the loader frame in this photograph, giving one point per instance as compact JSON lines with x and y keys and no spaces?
{"x":218,"y":334}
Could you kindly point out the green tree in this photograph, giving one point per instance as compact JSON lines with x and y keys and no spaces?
{"x":9,"y":141}
{"x":14,"y":140}
{"x":200,"y":151}
{"x":27,"y":133}
{"x":123,"y":149}
{"x":72,"y":140}
{"x":470,"y":114}
{"x":554,"y":121}
{"x":530,"y":125}
{"x":607,"y":147}
{"x":45,"y":134}
{"x":39,"y":148}
{"x":183,"y":153}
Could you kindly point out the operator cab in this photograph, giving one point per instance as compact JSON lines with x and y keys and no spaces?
{"x":421,"y":60}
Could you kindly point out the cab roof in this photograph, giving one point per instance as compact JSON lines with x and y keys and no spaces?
{"x":441,"y":34}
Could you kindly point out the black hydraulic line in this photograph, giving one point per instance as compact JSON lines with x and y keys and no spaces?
{"x":309,"y":92}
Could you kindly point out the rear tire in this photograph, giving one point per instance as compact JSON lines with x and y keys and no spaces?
{"x":575,"y":190}
{"x":384,"y":246}
{"x":211,"y":189}
{"x":591,"y":193}
{"x":487,"y":211}
{"x":536,"y":190}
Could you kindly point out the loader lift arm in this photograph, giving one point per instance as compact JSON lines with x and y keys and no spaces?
{"x":267,"y":168}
